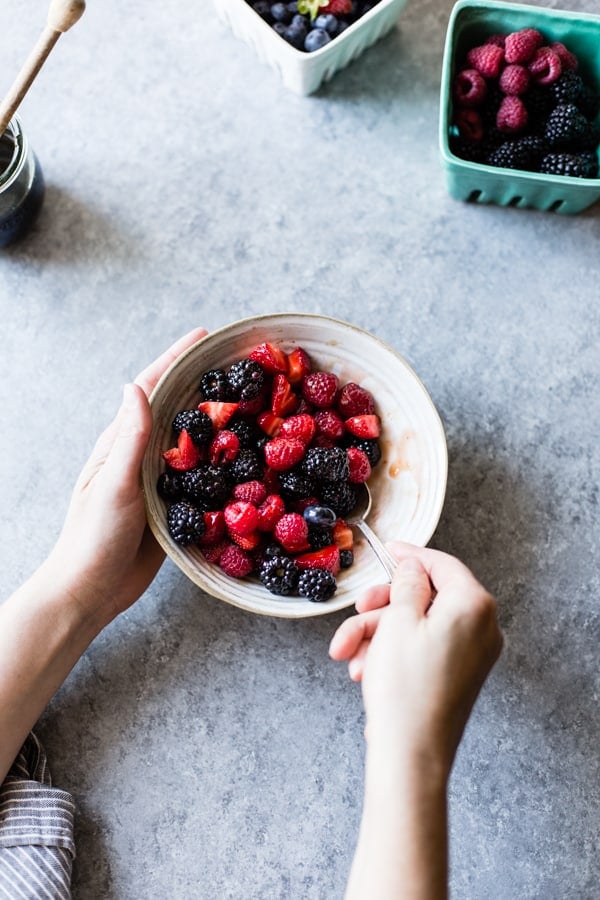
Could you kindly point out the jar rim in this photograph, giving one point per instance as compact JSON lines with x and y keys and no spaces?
{"x":12,"y":170}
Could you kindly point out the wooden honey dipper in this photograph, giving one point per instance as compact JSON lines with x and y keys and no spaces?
{"x":61,"y":16}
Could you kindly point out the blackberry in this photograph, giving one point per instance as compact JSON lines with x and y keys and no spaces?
{"x":197,"y":424}
{"x":214,"y":386}
{"x":318,"y":538}
{"x":567,"y":88}
{"x":169,"y":486}
{"x":246,"y":467}
{"x":247,"y":434}
{"x":588,"y":103}
{"x":346,"y":558}
{"x":328,"y":464}
{"x":565,"y":124}
{"x":493,"y":99}
{"x":185,"y":523}
{"x":577,"y":165}
{"x":340,"y":496}
{"x":524,"y":153}
{"x":590,"y":137}
{"x":539,"y":103}
{"x":296,"y":486}
{"x":246,"y":379}
{"x":317,"y":584}
{"x":370,"y":446}
{"x":206,"y":485}
{"x":279,"y":574}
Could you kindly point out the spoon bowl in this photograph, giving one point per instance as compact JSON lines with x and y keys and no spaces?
{"x":358,"y":518}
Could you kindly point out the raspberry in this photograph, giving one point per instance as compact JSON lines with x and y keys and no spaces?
{"x":545,"y":67}
{"x":359,"y":467}
{"x":498,"y":39}
{"x":320,"y":388}
{"x":214,"y":523}
{"x":235,"y":562}
{"x":241,"y":517}
{"x":251,"y":491}
{"x":519,"y":46}
{"x":270,"y":512}
{"x":487,"y":59}
{"x":246,"y":541}
{"x":213,"y":553}
{"x":568,"y":60}
{"x":252,"y":406}
{"x":283,"y":453}
{"x":185,"y":523}
{"x":279,"y":574}
{"x":224,"y":448}
{"x":469,"y":88}
{"x":512,"y":115}
{"x":292,"y":532}
{"x":317,"y":585}
{"x":336,"y":7}
{"x":302,"y":426}
{"x":514,"y":79}
{"x":469,"y":124}
{"x":371,"y":448}
{"x":330,"y":424}
{"x":354,"y":400}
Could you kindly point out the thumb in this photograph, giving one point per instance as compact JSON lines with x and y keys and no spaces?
{"x":411,"y":587}
{"x":133,"y":429}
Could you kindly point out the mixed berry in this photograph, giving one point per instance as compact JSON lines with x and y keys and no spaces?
{"x":521,"y":102}
{"x":309,"y":25}
{"x":264,"y":471}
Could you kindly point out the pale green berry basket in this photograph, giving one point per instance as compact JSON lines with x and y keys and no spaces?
{"x":301,"y":72}
{"x":469,"y":25}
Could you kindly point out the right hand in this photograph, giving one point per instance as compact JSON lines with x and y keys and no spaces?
{"x":423,"y":647}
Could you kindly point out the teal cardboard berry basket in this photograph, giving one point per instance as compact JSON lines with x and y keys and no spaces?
{"x":470,"y":24}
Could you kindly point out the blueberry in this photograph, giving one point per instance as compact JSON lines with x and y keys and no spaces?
{"x":328,"y":23}
{"x":263,"y":9}
{"x":279,"y":28}
{"x":293,"y":7}
{"x":281,"y":13}
{"x":320,"y":515}
{"x":316,"y":39}
{"x":299,"y":21}
{"x":295,"y":36}
{"x":346,"y":558}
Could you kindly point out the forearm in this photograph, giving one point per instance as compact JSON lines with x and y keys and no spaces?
{"x":402,"y":846}
{"x":43,"y":632}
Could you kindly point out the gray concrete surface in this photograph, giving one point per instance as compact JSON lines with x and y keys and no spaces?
{"x":218,"y":755}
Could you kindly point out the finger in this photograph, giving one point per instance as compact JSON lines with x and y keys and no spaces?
{"x":410,"y":589}
{"x":148,"y":378}
{"x":374,"y":598}
{"x":356,"y":666}
{"x":442,"y":568}
{"x":352,"y":632}
{"x":134,"y":426}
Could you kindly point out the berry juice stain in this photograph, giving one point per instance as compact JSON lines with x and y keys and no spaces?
{"x":21,"y":187}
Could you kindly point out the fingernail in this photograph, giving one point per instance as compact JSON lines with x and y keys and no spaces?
{"x":412,"y":564}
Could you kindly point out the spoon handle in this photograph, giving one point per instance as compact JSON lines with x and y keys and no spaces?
{"x":383,"y":555}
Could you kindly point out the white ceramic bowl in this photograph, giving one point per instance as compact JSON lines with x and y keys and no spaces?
{"x":303,"y":72}
{"x":408,"y":484}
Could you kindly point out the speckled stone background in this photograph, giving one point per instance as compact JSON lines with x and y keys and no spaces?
{"x":218,"y":755}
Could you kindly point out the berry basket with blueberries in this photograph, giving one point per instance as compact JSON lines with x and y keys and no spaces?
{"x":520,"y":104}
{"x":308,"y":41}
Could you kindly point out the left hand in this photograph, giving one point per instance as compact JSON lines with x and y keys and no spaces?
{"x":106,"y":555}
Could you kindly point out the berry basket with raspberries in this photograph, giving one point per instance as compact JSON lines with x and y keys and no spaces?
{"x":263,"y":433}
{"x":308,"y":41}
{"x":520,"y":106}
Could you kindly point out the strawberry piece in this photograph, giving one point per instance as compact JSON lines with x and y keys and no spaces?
{"x":252,"y":491}
{"x":330,"y":424}
{"x":327,"y":558}
{"x":291,"y":531}
{"x":359,"y":467}
{"x":213,"y":553}
{"x":354,"y":400}
{"x":320,"y":388}
{"x":270,"y":512}
{"x":235,"y":562}
{"x":298,"y":365}
{"x":214,"y":523}
{"x":283,"y":453}
{"x":342,"y":534}
{"x":270,"y":423}
{"x":283,"y":400}
{"x":241,"y":517}
{"x":322,"y":440}
{"x":302,"y":427}
{"x":364,"y":426}
{"x":223,"y":448}
{"x":247,"y":541}
{"x":218,"y":411}
{"x":271,"y":358}
{"x":184,"y":456}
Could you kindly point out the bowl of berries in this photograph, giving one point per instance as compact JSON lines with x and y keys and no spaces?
{"x":308,"y":41}
{"x":264,"y":432}
{"x":520,"y":105}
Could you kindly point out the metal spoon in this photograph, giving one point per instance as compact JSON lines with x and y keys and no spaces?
{"x":357,"y":517}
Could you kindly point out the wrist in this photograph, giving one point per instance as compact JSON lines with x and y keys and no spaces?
{"x":396,"y":752}
{"x":79,"y":604}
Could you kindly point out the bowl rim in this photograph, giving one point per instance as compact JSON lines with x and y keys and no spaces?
{"x":148,"y":488}
{"x":550,"y":13}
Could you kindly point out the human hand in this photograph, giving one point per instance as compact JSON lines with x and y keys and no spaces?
{"x":106,"y":555}
{"x":423,"y":647}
